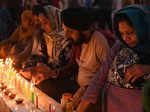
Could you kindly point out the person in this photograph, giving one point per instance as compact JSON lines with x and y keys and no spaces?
{"x":146,"y":96}
{"x":56,"y":47}
{"x":126,"y":68}
{"x":131,"y":2}
{"x":103,"y":24}
{"x":21,"y":35}
{"x":73,"y":3}
{"x":103,"y":4}
{"x":35,"y":11}
{"x":89,"y":48}
{"x":7,"y":24}
{"x":55,"y":50}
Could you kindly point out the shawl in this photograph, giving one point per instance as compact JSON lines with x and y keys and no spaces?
{"x":139,"y":16}
{"x":54,"y":16}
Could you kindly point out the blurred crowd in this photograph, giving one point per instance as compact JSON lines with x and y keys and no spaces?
{"x":11,"y":10}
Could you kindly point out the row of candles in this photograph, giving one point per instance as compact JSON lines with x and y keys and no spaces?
{"x":14,"y":80}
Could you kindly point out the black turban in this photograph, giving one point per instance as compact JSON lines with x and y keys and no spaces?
{"x":77,"y":18}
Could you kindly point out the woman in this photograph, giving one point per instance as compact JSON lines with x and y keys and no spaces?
{"x":56,"y":50}
{"x":127,"y":67}
{"x":21,"y":37}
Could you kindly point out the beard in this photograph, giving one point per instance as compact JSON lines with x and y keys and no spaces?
{"x":80,"y":39}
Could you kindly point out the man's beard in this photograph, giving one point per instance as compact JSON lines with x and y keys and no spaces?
{"x":81,"y":39}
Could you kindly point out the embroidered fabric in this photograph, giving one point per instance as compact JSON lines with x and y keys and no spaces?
{"x":124,"y":59}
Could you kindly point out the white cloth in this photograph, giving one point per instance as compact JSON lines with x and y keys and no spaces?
{"x":92,"y":56}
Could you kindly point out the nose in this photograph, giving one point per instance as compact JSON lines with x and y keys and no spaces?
{"x":126,"y":37}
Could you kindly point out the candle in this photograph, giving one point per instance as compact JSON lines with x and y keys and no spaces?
{"x":21,"y":85}
{"x":54,"y":108}
{"x":26,"y":87}
{"x":32,"y":96}
{"x":15,"y":82}
{"x":37,"y":101}
{"x":32,"y":93}
{"x":19,"y":82}
{"x":49,"y":108}
{"x":10,"y":83}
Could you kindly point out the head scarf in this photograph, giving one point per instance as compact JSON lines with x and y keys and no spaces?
{"x":26,"y":32}
{"x":139,"y":16}
{"x":53,"y":14}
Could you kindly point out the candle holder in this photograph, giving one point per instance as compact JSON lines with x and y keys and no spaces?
{"x":19,"y":100}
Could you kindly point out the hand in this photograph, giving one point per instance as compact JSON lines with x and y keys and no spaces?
{"x":38,"y":78}
{"x":85,"y":106}
{"x":3,"y":106}
{"x":78,"y":95}
{"x":134,"y":72}
{"x":26,"y":74}
{"x":45,"y":70}
{"x":42,"y":72}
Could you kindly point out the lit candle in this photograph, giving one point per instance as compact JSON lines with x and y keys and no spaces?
{"x":26,"y":87}
{"x":19,"y":82}
{"x":54,"y":108}
{"x":21,"y":85}
{"x":50,"y":107}
{"x":10,"y":83}
{"x":15,"y":82}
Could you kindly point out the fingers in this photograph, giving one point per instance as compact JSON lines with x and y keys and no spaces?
{"x":128,"y":78}
{"x":131,"y":75}
{"x":83,"y":106}
{"x":133,"y":80}
{"x":38,"y":79}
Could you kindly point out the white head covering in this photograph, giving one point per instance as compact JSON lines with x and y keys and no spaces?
{"x":54,"y":16}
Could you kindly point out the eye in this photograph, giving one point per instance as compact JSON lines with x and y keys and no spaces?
{"x":130,"y":33}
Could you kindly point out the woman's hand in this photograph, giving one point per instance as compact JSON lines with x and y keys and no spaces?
{"x":26,"y":74}
{"x":42,"y":72}
{"x":136,"y":71}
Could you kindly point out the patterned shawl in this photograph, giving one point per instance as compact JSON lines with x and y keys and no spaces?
{"x":54,"y":16}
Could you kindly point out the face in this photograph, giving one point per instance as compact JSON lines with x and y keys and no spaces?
{"x":45,"y":23}
{"x":76,"y":36}
{"x":128,"y":33}
{"x":25,"y":23}
{"x":36,"y":20}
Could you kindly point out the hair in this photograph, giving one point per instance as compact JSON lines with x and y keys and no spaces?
{"x":121,"y":18}
{"x":125,"y":3}
{"x":36,"y":10}
{"x":43,"y":11}
{"x":103,"y":17}
{"x":45,"y":2}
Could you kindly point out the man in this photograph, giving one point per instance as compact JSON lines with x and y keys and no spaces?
{"x":92,"y":45}
{"x":77,"y":25}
